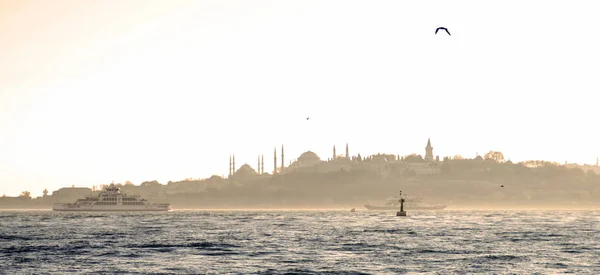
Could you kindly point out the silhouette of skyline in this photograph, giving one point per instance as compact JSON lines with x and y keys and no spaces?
{"x":351,"y":179}
{"x":425,"y":163}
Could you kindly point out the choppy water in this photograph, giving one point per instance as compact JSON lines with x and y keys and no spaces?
{"x":188,"y":242}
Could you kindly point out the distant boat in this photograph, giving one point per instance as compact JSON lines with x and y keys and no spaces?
{"x":111,"y":199}
{"x":411,"y":203}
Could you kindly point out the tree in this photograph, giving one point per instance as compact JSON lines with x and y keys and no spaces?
{"x":414,"y":158}
{"x":389,"y":157}
{"x":25,"y":194}
{"x":153,"y":183}
{"x":538,"y":163}
{"x":128,"y":183}
{"x":590,"y":173}
{"x":495,"y":156}
{"x":457,"y":157}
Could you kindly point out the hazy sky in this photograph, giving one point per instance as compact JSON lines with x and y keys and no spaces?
{"x":96,"y":91}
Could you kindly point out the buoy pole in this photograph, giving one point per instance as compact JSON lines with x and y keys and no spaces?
{"x":402,"y":205}
{"x":401,"y":213}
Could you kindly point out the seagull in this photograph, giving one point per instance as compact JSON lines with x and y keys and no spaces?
{"x":442,"y":28}
{"x":307,"y":118}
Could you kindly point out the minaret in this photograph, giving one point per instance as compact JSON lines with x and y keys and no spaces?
{"x":258,"y":165}
{"x":429,"y":151}
{"x":347,"y":151}
{"x":233,"y":169}
{"x":230,"y":165}
{"x":334,"y":155}
{"x":262,"y":164}
{"x":282,"y":163}
{"x":275,"y":161}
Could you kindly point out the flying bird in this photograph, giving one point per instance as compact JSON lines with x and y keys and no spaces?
{"x":442,"y":28}
{"x":501,"y":185}
{"x":307,"y":118}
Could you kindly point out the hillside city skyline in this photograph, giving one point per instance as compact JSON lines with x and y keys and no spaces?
{"x":277,"y":161}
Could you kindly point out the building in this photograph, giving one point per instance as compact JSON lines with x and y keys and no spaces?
{"x":428,"y":151}
{"x":383,"y":165}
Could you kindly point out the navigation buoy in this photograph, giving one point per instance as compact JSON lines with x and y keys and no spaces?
{"x":401,"y":213}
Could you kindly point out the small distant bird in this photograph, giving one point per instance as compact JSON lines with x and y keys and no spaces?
{"x":307,"y":118}
{"x":442,"y":28}
{"x":501,"y":185}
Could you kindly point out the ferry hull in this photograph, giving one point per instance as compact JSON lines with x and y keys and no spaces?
{"x":78,"y":208}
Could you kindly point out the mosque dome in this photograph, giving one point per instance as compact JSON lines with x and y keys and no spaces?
{"x":308,"y":156}
{"x":245,"y":170}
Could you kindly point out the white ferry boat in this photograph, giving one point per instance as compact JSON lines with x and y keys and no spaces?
{"x":111,"y":199}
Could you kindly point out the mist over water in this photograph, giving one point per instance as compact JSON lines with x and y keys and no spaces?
{"x":373,"y":242}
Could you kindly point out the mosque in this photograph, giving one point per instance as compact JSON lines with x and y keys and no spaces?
{"x":383,"y":165}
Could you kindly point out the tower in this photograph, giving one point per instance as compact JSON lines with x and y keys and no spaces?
{"x":282,"y":163}
{"x":233,"y":168}
{"x":347,"y":152}
{"x":230,"y":166}
{"x":258,"y":165}
{"x":275,"y":161}
{"x":262,"y":164}
{"x":334,"y":154}
{"x":429,"y":151}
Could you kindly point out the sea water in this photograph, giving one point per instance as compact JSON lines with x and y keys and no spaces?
{"x":300,"y":242}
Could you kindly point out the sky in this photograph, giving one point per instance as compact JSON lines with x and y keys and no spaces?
{"x":98,"y":91}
